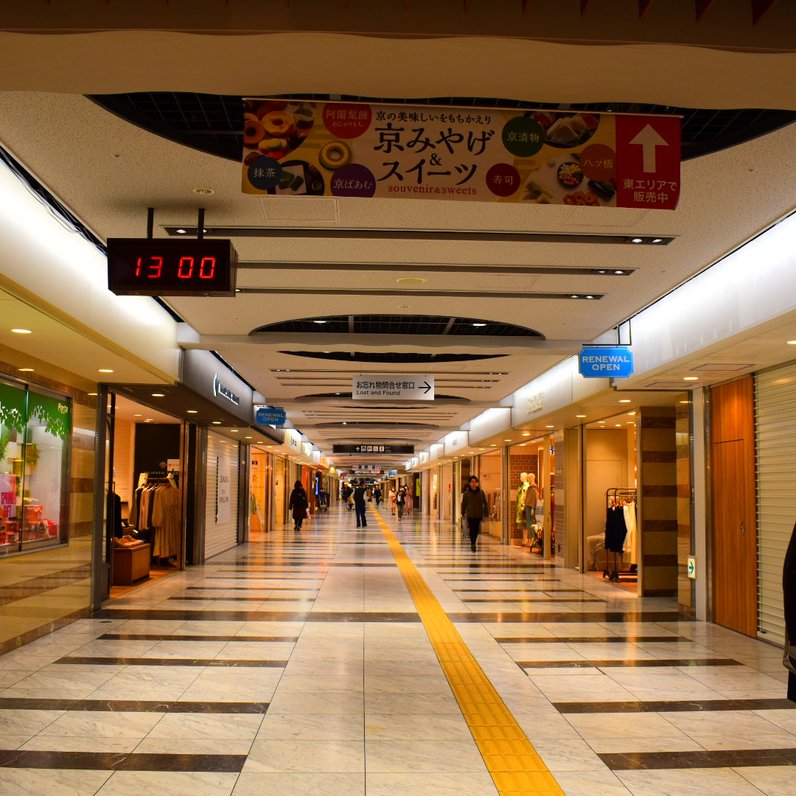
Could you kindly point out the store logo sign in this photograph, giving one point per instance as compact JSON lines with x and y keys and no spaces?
{"x":535,"y":403}
{"x":220,"y":389}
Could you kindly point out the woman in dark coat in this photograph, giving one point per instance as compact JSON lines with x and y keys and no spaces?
{"x":789,"y":593}
{"x":298,"y":503}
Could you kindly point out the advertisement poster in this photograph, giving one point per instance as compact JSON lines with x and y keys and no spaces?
{"x":223,"y":501}
{"x":8,"y":495}
{"x":304,"y":148}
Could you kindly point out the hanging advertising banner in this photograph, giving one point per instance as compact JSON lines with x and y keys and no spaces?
{"x":302,"y":148}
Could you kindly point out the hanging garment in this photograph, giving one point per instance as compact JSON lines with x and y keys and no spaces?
{"x":615,"y":529}
{"x":166,"y":521}
{"x":631,"y":543}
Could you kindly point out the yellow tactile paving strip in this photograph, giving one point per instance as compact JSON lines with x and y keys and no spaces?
{"x":513,"y":763}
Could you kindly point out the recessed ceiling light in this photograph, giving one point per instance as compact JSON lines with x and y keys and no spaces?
{"x":790,"y":342}
{"x":526,"y":433}
{"x":625,"y":401}
{"x":493,"y":445}
{"x":191,"y":411}
{"x":25,"y":370}
{"x":618,"y":425}
{"x":479,"y":324}
{"x":104,"y":370}
{"x":137,"y":414}
{"x":602,"y":422}
{"x":92,"y":393}
{"x":618,"y":271}
{"x":603,"y":271}
{"x":685,"y":402}
{"x":216,"y":422}
{"x":574,"y":295}
{"x":234,"y":430}
{"x":589,"y":297}
{"x":248,"y":437}
{"x":523,"y":444}
{"x":21,"y":331}
{"x":158,"y":395}
{"x":637,"y":240}
{"x":581,"y":416}
{"x":549,"y":426}
{"x":506,"y":440}
{"x":690,"y":378}
{"x":657,"y":240}
{"x":320,"y":322}
{"x":204,"y":191}
{"x":182,"y":231}
{"x":149,"y":420}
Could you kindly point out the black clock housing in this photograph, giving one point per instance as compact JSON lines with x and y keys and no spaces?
{"x":169,"y":267}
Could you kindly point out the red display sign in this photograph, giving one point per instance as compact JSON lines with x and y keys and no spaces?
{"x":648,"y":162}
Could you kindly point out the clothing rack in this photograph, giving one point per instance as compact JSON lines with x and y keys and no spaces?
{"x":614,"y":498}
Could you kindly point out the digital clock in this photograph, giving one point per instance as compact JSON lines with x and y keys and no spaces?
{"x":165,"y":267}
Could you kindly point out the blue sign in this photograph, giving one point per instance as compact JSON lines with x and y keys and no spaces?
{"x":604,"y":361}
{"x":270,"y":416}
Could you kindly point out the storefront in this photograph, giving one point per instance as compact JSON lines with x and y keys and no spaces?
{"x":47,"y":456}
{"x":489,"y":469}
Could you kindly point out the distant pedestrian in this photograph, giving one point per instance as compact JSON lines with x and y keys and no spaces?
{"x":475,"y":508}
{"x":400,"y":502}
{"x":392,"y":500}
{"x":360,"y":505}
{"x":377,"y":495}
{"x":298,"y":504}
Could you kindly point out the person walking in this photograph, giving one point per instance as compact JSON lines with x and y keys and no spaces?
{"x":392,"y":498}
{"x":400,"y":502}
{"x":298,"y":504}
{"x":360,"y":505}
{"x":377,"y":495}
{"x":474,"y":508}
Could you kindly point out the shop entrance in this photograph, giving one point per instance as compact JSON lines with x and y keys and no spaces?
{"x":144,"y":517}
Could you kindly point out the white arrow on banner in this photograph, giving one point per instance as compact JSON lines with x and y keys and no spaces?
{"x":648,"y":138}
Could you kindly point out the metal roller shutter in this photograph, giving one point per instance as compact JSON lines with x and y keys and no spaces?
{"x":775,"y":399}
{"x":221,"y":508}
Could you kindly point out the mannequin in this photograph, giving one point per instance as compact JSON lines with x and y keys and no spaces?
{"x":527,"y":497}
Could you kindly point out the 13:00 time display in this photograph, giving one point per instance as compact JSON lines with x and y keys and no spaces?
{"x":152,"y":267}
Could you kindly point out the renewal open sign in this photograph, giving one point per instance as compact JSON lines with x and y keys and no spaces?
{"x":601,"y":362}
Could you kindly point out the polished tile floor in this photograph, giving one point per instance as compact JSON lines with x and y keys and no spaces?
{"x":300,"y":665}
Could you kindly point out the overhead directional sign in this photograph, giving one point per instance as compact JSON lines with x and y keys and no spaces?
{"x":602,"y":361}
{"x":379,"y":387}
{"x":373,"y":448}
{"x":270,"y":416}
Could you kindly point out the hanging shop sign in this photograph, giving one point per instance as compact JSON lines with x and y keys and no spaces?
{"x":207,"y":376}
{"x":270,"y":416}
{"x":171,"y":267}
{"x":373,"y":386}
{"x":600,"y":362}
{"x":298,"y":148}
{"x":370,"y":448}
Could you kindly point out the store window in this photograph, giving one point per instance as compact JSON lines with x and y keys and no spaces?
{"x":34,"y":448}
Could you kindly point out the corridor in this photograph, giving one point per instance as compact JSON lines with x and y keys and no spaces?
{"x":311,"y":663}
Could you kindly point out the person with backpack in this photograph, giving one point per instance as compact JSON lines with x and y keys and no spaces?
{"x":298,"y":504}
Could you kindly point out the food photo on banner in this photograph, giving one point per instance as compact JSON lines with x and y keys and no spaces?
{"x":303,"y":148}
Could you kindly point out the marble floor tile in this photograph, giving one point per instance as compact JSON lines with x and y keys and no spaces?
{"x":415,"y":726}
{"x":312,"y":727}
{"x":318,"y":703}
{"x":76,"y":743}
{"x":429,"y":783}
{"x":421,"y":756}
{"x":26,"y":722}
{"x":315,"y":784}
{"x":687,"y":782}
{"x":612,"y":725}
{"x":179,"y":783}
{"x":207,"y":726}
{"x":30,"y":781}
{"x":194,"y":746}
{"x":590,"y":783}
{"x":305,"y":756}
{"x":102,"y":724}
{"x":771,"y":780}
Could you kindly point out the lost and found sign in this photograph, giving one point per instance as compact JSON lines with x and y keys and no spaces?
{"x":303,"y":148}
{"x":390,"y":387}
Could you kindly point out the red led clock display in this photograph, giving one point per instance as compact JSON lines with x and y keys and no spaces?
{"x":153,"y":267}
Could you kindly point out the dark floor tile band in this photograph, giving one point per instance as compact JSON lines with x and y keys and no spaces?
{"x":730,"y":758}
{"x":543,"y":589}
{"x":252,"y":588}
{"x":114,"y":761}
{"x":131,"y":705}
{"x":260,"y":578}
{"x":281,"y":599}
{"x":178,"y":637}
{"x":672,"y":706}
{"x":259,"y":616}
{"x":586,"y":664}
{"x":532,"y":599}
{"x":585,"y":639}
{"x":100,"y":661}
{"x":571,"y":616}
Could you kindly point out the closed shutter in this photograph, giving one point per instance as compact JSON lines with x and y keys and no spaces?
{"x":221,"y":508}
{"x":775,"y":399}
